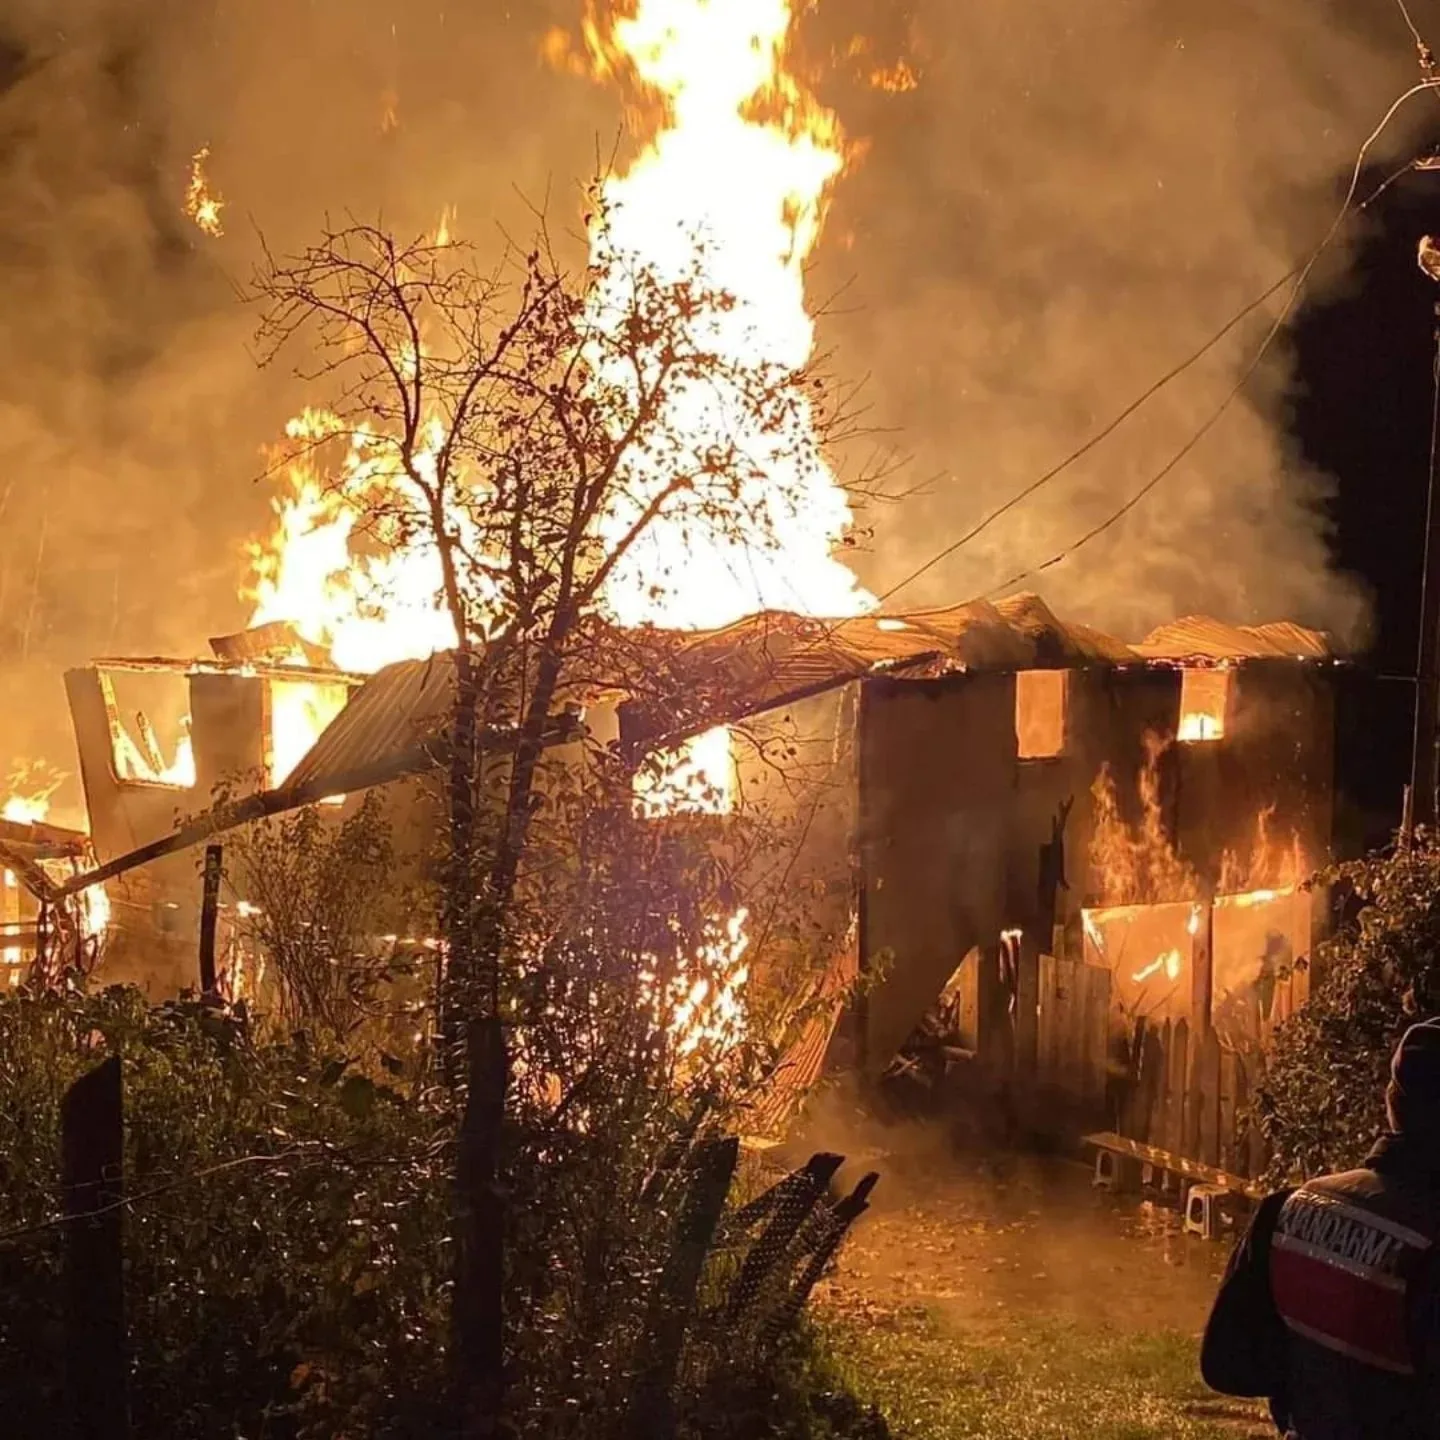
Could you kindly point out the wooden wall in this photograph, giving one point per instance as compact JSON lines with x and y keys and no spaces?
{"x":952,"y":829}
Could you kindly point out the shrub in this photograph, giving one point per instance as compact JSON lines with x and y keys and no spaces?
{"x":1321,"y":1102}
{"x":286,"y":1231}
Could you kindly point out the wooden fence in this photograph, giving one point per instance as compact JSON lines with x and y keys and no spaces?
{"x":1170,"y":1085}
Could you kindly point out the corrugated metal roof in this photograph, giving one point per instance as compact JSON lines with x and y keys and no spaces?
{"x":1196,"y":637}
{"x":769,"y":659}
{"x":395,"y":721}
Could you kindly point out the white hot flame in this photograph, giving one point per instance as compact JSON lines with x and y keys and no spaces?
{"x":752,"y":192}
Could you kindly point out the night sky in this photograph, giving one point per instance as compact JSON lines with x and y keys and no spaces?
{"x":1361,"y":402}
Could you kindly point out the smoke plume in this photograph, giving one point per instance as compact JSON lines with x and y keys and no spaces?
{"x":1070,"y":200}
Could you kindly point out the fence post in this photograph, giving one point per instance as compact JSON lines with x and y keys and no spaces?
{"x":209,"y":914}
{"x":92,"y":1158}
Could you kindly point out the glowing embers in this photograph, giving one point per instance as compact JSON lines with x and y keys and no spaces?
{"x":698,"y":778}
{"x":1042,"y":705}
{"x":1260,"y":977}
{"x":1204,"y":704}
{"x":1150,"y":953}
{"x":202,"y":205}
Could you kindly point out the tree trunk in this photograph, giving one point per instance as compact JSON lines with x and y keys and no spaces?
{"x":479,"y":1316}
{"x":478,"y":1340}
{"x":459,"y":900}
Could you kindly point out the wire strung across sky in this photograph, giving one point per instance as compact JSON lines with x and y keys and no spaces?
{"x":1296,"y":278}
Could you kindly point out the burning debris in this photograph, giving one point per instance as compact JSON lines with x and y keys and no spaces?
{"x":201,"y":205}
{"x":42,"y":932}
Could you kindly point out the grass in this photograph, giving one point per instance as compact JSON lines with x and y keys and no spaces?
{"x":1039,"y":1379}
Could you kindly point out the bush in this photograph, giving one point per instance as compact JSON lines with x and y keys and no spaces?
{"x":287,"y":1254}
{"x":284,"y":1241}
{"x":1321,"y":1102}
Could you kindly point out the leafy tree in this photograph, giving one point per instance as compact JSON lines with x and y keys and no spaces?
{"x":1321,"y":1102}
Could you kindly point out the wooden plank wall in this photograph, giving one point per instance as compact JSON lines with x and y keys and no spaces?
{"x":1189,"y":1095}
{"x":1183,"y":1093}
{"x":1072,"y":1038}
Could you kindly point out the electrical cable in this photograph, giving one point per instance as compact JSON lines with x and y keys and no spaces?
{"x":1420,"y":44}
{"x":1299,"y":275}
{"x":1082,"y":450}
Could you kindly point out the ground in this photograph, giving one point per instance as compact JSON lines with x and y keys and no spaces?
{"x":1006,"y":1297}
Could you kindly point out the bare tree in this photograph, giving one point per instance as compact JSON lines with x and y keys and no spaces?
{"x":526,"y":425}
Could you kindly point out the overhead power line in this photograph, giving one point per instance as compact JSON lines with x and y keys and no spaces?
{"x":1296,"y":278}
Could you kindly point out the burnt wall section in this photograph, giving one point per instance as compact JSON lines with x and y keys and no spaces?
{"x":230,"y":721}
{"x":151,"y":943}
{"x":1268,"y":785}
{"x":937,"y":777}
{"x":155,"y":929}
{"x":962,"y":840}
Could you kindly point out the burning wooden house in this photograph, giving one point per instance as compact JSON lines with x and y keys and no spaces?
{"x":1085,"y":848}
{"x":1077,"y":863}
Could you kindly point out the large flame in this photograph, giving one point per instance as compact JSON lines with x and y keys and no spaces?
{"x":1136,"y":861}
{"x":738,"y":173}
{"x":368,"y":608}
{"x":741,"y":168}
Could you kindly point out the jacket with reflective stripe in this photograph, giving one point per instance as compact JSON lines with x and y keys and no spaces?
{"x":1329,"y":1305}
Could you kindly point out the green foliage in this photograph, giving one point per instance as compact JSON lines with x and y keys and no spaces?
{"x":1321,"y":1102}
{"x":320,"y":892}
{"x":285,"y":1236}
{"x":287,"y":1255}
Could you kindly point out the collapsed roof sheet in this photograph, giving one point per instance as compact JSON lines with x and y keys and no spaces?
{"x":1197,"y":637}
{"x":391,"y":727}
{"x":770,"y":659}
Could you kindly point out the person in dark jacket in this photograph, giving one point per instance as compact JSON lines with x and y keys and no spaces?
{"x":1330,"y":1306}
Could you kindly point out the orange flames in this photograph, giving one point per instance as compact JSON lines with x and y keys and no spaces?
{"x":32,"y":787}
{"x":1267,"y":866}
{"x":703,"y":1005}
{"x":742,"y":166}
{"x":1204,"y":704}
{"x":1137,"y":863}
{"x":738,"y":172}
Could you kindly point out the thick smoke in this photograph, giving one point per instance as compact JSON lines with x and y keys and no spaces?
{"x":1071,"y":199}
{"x":132,"y":417}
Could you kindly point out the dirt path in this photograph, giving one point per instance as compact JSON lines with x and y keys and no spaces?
{"x":988,"y":1243}
{"x":1009,"y":1297}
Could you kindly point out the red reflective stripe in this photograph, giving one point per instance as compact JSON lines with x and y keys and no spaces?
{"x":1355,"y":1316}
